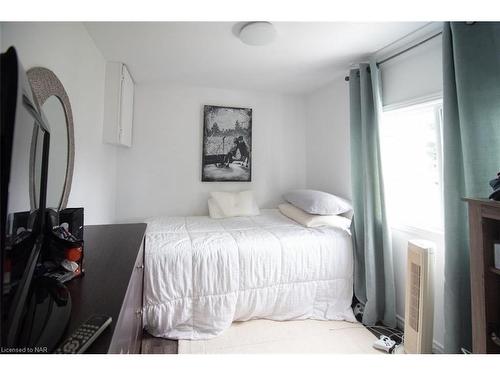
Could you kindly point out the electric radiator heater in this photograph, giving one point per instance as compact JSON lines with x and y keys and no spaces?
{"x":419,"y":301}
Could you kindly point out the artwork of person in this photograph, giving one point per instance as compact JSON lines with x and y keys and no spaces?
{"x":227,"y":144}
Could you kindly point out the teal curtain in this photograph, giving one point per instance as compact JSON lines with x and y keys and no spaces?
{"x":471,"y":155}
{"x":373,"y":272}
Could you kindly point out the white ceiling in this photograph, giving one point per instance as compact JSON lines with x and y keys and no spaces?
{"x":304,"y":56}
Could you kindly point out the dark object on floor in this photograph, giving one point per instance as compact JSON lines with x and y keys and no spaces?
{"x":495,"y":185}
{"x":393,"y":333}
{"x":358,"y":309}
{"x":157,"y":345}
{"x":378,"y":330}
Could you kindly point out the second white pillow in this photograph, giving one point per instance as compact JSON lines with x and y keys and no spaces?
{"x":313,"y":221}
{"x":236,"y":204}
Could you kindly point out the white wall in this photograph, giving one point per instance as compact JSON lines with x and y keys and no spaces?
{"x":68,"y":50}
{"x":161,"y":173}
{"x":327,"y":135}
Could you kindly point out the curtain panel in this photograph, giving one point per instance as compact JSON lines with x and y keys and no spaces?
{"x":471,"y":155}
{"x":373,"y":273}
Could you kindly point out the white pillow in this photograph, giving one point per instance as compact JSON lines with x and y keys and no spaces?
{"x":214,"y":210}
{"x":317,"y":202}
{"x":313,"y":221}
{"x":236,"y":204}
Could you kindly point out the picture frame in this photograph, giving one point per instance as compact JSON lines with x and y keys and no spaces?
{"x":227,"y":144}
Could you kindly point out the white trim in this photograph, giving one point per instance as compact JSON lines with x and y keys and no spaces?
{"x":413,"y":38}
{"x":437,"y":347}
{"x":421,"y":232}
{"x":430,"y":99}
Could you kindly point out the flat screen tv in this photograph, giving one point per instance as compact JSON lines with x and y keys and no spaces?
{"x":23,"y":230}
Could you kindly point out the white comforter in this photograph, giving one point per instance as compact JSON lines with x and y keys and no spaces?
{"x":202,"y":274}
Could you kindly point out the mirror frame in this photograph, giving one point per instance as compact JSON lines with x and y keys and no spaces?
{"x":44,"y":84}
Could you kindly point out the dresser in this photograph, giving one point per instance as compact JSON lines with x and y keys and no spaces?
{"x":112,"y":285}
{"x":484,"y":227}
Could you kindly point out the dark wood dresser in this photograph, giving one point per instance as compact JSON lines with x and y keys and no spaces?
{"x":112,"y":285}
{"x":484,"y":227}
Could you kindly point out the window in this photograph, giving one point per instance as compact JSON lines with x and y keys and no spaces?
{"x":412,"y":165}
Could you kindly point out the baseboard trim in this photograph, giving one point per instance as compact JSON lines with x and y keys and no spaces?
{"x":437,"y":347}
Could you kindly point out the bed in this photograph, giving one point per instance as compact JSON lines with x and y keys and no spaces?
{"x":201,"y":274}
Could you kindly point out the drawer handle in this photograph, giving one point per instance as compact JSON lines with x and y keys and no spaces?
{"x":141,"y":267}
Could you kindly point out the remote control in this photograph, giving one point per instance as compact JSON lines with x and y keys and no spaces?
{"x":85,"y":335}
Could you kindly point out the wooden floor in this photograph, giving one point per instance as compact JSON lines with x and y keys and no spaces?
{"x":156,"y":345}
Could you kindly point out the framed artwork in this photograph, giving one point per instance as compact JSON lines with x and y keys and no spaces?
{"x":227,"y":144}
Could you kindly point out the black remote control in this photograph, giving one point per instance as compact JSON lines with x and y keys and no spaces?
{"x":85,"y":335}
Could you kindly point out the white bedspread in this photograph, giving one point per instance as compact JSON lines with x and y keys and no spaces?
{"x":201,"y":274}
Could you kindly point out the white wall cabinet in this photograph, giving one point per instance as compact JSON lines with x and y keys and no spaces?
{"x":118,"y":105}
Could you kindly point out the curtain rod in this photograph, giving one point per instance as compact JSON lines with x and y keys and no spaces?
{"x":404,"y":51}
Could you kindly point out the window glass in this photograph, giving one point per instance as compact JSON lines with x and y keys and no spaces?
{"x":411,"y":159}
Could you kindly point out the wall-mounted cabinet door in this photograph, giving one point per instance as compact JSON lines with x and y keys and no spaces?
{"x":118,"y":105}
{"x":127,"y":108}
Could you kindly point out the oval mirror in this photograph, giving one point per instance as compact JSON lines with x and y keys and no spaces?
{"x":53,"y":101}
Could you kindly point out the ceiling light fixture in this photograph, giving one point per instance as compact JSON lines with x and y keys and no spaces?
{"x":257,"y":33}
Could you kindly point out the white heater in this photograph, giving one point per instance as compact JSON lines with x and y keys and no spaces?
{"x":419,"y":302}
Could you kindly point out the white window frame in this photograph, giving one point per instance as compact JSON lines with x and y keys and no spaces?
{"x":435,"y":99}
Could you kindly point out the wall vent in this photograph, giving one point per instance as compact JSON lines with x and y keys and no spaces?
{"x":419,"y":306}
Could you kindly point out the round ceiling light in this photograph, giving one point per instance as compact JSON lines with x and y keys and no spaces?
{"x":257,"y":33}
